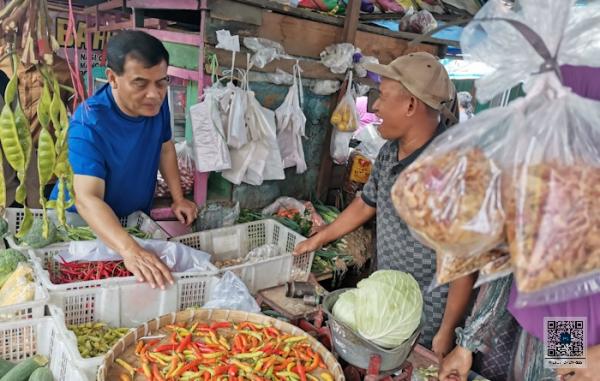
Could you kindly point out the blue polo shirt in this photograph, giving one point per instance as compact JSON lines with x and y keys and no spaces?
{"x":122,"y":150}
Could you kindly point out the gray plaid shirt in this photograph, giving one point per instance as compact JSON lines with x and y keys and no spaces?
{"x":397,"y":249}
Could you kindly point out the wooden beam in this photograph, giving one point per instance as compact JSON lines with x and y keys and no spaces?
{"x":310,"y":69}
{"x":106,"y":6}
{"x":176,"y":37}
{"x":293,"y":33}
{"x":351,"y":21}
{"x":148,"y":23}
{"x":188,"y":5}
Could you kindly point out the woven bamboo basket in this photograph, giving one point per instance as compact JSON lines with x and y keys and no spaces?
{"x":125,"y":347}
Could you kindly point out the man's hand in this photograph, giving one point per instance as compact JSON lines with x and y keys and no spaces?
{"x":146,"y":266}
{"x":443,"y":342}
{"x":456,"y":366}
{"x":312,"y":244}
{"x":185,"y":210}
{"x":584,"y":374}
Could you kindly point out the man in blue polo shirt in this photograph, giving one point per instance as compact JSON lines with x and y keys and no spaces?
{"x":118,"y":140}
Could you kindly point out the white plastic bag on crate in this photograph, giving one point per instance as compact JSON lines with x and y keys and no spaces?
{"x":210,"y":143}
{"x":232,"y":294}
{"x":185,"y":162}
{"x":176,"y":256}
{"x":291,"y":124}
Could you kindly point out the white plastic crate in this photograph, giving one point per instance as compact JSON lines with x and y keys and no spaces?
{"x":28,"y":310}
{"x":237,"y":241}
{"x":22,"y":339}
{"x":138,"y":219}
{"x":122,"y":302}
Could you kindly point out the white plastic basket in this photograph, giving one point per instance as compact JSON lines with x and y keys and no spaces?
{"x":28,"y":310}
{"x":236,"y":241}
{"x":22,"y":339}
{"x":140,"y":220}
{"x":120,"y":302}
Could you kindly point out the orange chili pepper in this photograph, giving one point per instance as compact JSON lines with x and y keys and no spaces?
{"x":138,"y":347}
{"x":184,"y":344}
{"x":301,"y":371}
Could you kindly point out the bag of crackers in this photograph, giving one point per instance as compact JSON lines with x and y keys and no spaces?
{"x":529,"y":171}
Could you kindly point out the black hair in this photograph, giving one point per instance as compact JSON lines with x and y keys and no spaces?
{"x":137,"y":45}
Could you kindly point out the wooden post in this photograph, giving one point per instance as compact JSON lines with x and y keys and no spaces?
{"x":348,"y":35}
{"x":351,"y":21}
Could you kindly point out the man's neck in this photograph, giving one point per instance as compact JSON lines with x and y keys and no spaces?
{"x":416,"y":139}
{"x":121,"y":106}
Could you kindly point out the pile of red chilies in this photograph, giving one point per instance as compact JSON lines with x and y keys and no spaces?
{"x":69,"y":272}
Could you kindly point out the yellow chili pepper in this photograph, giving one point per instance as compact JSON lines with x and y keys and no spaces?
{"x":126,"y":366}
{"x":245,"y":367}
{"x":326,"y":376}
{"x":294,"y":339}
{"x":213,"y":355}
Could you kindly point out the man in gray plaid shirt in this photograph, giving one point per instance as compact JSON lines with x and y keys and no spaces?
{"x":415,"y":92}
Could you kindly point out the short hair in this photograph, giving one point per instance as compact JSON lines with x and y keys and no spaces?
{"x":430,"y":110}
{"x":137,"y":45}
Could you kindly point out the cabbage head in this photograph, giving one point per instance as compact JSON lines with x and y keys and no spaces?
{"x":390,"y":305}
{"x":343,"y":309}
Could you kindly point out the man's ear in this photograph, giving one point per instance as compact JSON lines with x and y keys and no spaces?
{"x":112,"y":78}
{"x":413,"y":103}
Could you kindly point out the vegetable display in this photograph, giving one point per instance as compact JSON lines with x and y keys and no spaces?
{"x":385,"y":309}
{"x":19,"y":286}
{"x":9,"y":259}
{"x":69,"y":272}
{"x":95,"y":339}
{"x":225,"y":351}
{"x":32,"y":369}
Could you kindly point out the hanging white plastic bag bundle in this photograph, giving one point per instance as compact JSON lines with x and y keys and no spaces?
{"x":210,"y":145}
{"x":237,"y":133}
{"x":291,"y":125}
{"x":186,"y":165}
{"x":345,"y":117}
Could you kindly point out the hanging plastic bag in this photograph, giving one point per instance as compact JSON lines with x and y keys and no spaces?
{"x":340,"y":146}
{"x":232,"y":294}
{"x":237,"y":132}
{"x":274,"y":166}
{"x":290,"y":126}
{"x":210,"y":143}
{"x":499,"y":268}
{"x":325,"y":87}
{"x":185,"y":163}
{"x":339,"y":57}
{"x":345,"y":117}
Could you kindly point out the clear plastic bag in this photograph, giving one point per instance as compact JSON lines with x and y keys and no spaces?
{"x":285,"y":203}
{"x":345,"y":116}
{"x":325,"y":87}
{"x":338,"y":57}
{"x":265,"y":51}
{"x":339,"y":148}
{"x":420,"y":22}
{"x":185,"y":163}
{"x":499,"y":268}
{"x":263,"y":252}
{"x":215,"y":215}
{"x":237,"y":132}
{"x":232,"y":294}
{"x":176,"y":256}
{"x":291,"y":124}
{"x":451,"y":195}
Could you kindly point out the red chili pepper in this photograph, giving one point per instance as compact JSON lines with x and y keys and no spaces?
{"x":165,"y":348}
{"x":232,"y":371}
{"x":206,"y":376}
{"x":223,"y":324}
{"x":184,"y":343}
{"x":301,"y":371}
{"x":221,"y":369}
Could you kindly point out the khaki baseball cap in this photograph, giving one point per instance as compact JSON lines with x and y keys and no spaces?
{"x":422,"y":74}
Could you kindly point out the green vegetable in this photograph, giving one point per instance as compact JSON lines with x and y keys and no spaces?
{"x":5,"y":366}
{"x":387,"y":307}
{"x":41,"y":374}
{"x":95,"y":339}
{"x":23,"y":370}
{"x":34,"y":237}
{"x":9,"y":259}
{"x":343,"y":310}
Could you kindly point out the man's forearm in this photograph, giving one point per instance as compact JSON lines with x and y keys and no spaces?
{"x":103,"y":221}
{"x":459,"y":296}
{"x":353,"y":217}
{"x":170,"y":170}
